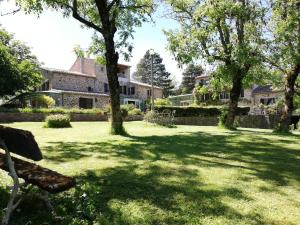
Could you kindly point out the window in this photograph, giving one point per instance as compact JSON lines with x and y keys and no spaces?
{"x":86,"y":103}
{"x":132,"y":90}
{"x":102,"y":69}
{"x":90,"y":89}
{"x":267,"y":101}
{"x":124,"y":90}
{"x":45,"y":86}
{"x":106,"y":88}
{"x":148,"y":93}
{"x":224,"y":96}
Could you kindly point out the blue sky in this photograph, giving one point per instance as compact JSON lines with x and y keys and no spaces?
{"x":53,"y":37}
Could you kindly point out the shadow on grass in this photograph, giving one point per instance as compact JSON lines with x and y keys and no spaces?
{"x":143,"y":191}
{"x":258,"y":155}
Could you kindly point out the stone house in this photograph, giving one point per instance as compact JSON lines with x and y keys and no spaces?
{"x":251,"y":97}
{"x":85,"y":85}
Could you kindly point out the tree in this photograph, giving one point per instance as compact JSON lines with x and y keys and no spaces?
{"x":161,"y":77}
{"x":284,"y":51}
{"x":19,"y":69}
{"x":225,"y":33}
{"x":189,"y":78}
{"x":297,"y":92}
{"x":113,"y":22}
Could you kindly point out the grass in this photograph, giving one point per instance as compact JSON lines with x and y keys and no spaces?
{"x":186,"y":175}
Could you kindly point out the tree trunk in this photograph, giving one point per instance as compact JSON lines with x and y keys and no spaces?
{"x":289,"y":91}
{"x":112,"y":58}
{"x":233,"y":103}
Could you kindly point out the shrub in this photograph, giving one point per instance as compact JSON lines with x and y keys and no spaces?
{"x":163,"y":120}
{"x":222,"y":120}
{"x":43,"y":101}
{"x":199,"y":111}
{"x":126,"y":110}
{"x":150,"y":117}
{"x":162,"y":101}
{"x":135,"y":112}
{"x":58,"y":121}
{"x":128,"y":107}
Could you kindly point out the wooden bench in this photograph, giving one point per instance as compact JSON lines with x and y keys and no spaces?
{"x":23,"y":143}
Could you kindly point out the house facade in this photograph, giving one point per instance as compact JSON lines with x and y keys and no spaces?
{"x":85,"y":85}
{"x":252,"y":97}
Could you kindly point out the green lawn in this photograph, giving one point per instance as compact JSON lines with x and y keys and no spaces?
{"x":184,"y":175}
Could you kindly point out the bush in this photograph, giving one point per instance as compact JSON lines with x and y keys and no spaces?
{"x":126,"y":110}
{"x":150,"y":117}
{"x":162,"y":101}
{"x":199,"y":111}
{"x":135,"y":112}
{"x":222,"y":120}
{"x":128,"y":107}
{"x":43,"y":101}
{"x":58,"y":121}
{"x":163,"y":120}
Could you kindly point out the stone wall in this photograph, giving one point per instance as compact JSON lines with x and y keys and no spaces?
{"x":258,"y":121}
{"x":141,"y":91}
{"x":197,"y":121}
{"x":72,"y":100}
{"x":249,"y":121}
{"x":40,"y":117}
{"x":74,"y":82}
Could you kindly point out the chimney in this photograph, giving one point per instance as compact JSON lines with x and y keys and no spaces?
{"x":81,"y":61}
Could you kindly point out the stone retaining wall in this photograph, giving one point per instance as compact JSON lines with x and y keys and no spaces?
{"x":39,"y":117}
{"x":250,"y":121}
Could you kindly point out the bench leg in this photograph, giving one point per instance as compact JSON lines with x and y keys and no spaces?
{"x":11,"y":206}
{"x":45,"y":197}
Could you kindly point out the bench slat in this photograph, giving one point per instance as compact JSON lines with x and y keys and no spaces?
{"x":45,"y":179}
{"x":21,"y":142}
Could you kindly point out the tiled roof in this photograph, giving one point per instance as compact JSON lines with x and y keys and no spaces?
{"x":264,"y":89}
{"x":67,"y":72}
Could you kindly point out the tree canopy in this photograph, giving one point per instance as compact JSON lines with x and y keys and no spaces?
{"x":283,"y":50}
{"x":189,"y":78}
{"x":19,"y":69}
{"x":161,"y":77}
{"x":113,"y":22}
{"x":228,"y":34}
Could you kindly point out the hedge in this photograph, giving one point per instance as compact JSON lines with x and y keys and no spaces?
{"x":199,"y":111}
{"x":52,"y":110}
